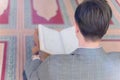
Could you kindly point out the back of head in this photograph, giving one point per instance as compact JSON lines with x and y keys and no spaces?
{"x":93,"y":18}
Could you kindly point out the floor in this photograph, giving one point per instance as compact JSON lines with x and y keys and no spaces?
{"x":19,"y":18}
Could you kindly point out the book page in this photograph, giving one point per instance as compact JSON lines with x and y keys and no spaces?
{"x":69,"y":39}
{"x":50,"y":40}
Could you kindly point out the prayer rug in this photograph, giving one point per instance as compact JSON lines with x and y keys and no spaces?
{"x":40,"y":12}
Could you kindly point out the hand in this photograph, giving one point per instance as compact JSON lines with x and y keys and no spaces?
{"x":35,"y":50}
{"x":44,"y":55}
{"x":36,"y":38}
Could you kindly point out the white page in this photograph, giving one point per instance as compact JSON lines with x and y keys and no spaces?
{"x":50,"y":40}
{"x":69,"y":39}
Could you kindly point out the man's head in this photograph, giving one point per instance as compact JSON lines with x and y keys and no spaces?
{"x":92,"y":18}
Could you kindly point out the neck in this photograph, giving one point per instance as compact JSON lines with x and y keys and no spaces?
{"x":89,"y":44}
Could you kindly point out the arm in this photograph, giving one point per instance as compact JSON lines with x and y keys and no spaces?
{"x":36,"y":48}
{"x":36,"y":70}
{"x":31,"y":69}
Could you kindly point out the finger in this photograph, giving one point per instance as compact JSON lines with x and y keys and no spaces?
{"x":35,"y":50}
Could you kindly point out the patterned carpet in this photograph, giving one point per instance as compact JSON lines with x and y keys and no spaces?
{"x":3,"y":49}
{"x":19,"y":18}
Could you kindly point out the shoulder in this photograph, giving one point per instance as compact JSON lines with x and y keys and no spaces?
{"x":66,"y":58}
{"x":115,"y":56}
{"x":60,"y":57}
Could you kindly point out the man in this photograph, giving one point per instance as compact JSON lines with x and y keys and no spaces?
{"x":89,"y":61}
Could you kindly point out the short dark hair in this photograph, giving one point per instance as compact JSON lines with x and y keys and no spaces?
{"x":93,"y":18}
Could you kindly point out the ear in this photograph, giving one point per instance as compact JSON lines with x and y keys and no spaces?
{"x":76,"y":28}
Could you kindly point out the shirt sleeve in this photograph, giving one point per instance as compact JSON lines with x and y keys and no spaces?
{"x":31,"y":70}
{"x":39,"y":70}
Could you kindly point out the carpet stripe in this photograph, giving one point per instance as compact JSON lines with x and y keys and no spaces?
{"x":4,"y":60}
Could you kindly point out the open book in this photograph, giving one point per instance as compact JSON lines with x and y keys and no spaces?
{"x":54,"y":42}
